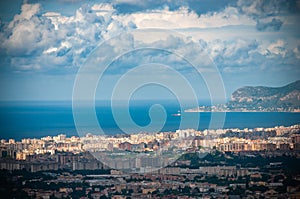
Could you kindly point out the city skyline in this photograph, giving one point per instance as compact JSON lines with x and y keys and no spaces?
{"x":121,"y":99}
{"x":231,"y":163}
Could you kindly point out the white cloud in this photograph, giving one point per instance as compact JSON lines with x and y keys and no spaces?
{"x":50,"y":50}
{"x":228,"y":17}
{"x":37,"y":36}
{"x":233,"y":55}
{"x":27,"y":12}
{"x":54,"y":40}
{"x":296,"y":51}
{"x":263,"y":8}
{"x":103,"y":8}
{"x":184,"y":18}
{"x":28,"y":33}
{"x":277,"y":48}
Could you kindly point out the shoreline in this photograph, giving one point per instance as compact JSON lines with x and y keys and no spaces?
{"x":239,"y":111}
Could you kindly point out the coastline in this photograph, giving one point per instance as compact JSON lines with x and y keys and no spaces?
{"x":213,"y":109}
{"x":238,"y":111}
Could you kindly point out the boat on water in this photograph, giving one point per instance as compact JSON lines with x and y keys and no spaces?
{"x":177,"y":114}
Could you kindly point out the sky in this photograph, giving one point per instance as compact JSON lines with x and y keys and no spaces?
{"x":155,"y":48}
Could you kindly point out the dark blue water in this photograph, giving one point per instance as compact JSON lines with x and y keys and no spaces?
{"x":41,"y":119}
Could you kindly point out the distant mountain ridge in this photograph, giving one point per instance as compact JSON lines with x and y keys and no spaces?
{"x":260,"y":98}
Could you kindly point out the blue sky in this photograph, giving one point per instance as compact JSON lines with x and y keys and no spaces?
{"x":44,"y":43}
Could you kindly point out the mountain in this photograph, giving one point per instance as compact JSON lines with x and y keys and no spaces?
{"x":259,"y":98}
{"x":270,"y":98}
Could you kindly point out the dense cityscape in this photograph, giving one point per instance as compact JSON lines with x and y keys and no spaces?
{"x":223,"y":163}
{"x":110,"y":99}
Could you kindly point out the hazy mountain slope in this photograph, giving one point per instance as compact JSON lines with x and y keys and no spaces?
{"x":260,"y":97}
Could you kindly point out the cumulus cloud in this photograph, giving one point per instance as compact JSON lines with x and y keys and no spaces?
{"x":249,"y":55}
{"x":185,"y":18}
{"x":39,"y":36}
{"x":27,"y":33}
{"x":58,"y":40}
{"x":34,"y":40}
{"x":296,"y":51}
{"x":27,"y":12}
{"x":277,"y":48}
{"x":234,"y":55}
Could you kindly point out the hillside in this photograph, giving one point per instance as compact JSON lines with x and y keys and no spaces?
{"x":260,"y":97}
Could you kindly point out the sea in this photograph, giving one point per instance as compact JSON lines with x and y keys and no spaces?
{"x":34,"y":119}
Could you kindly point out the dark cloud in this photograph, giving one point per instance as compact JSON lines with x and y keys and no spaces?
{"x":273,"y":25}
{"x":266,"y":8}
{"x":263,"y":10}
